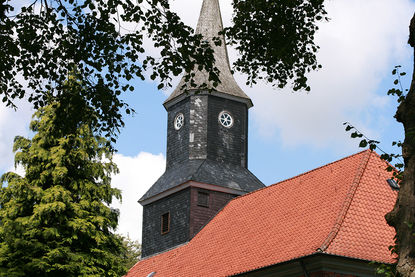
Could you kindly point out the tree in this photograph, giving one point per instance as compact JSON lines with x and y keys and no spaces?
{"x":46,"y":39}
{"x":290,"y":54}
{"x":255,"y":22}
{"x":402,"y":217}
{"x":132,"y":251}
{"x":56,"y":220}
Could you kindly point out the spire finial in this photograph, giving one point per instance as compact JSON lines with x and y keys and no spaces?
{"x":209,"y":26}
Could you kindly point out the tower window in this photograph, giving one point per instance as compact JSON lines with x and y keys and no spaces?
{"x":165,"y":223}
{"x":203,"y":199}
{"x":178,"y":121}
{"x":226,"y":119}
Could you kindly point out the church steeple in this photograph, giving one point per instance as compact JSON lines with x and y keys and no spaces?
{"x":209,"y":26}
{"x":207,"y":152}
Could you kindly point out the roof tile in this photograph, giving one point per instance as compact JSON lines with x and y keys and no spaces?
{"x":338,"y":208}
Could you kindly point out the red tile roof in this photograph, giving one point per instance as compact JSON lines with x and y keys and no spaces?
{"x":336,"y":209}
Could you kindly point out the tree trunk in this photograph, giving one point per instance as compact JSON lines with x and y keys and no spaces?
{"x":402,"y":217}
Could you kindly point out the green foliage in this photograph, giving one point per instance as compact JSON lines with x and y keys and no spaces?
{"x":132,"y":251}
{"x":387,"y":270}
{"x":276,"y":39}
{"x":56,"y":220}
{"x":46,"y":40}
{"x":396,"y":159}
{"x":398,"y":90}
{"x":103,"y":40}
{"x":395,"y":165}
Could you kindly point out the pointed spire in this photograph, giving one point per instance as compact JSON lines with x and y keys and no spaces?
{"x":209,"y":25}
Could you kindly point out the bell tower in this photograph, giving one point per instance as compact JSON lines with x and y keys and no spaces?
{"x":207,"y":151}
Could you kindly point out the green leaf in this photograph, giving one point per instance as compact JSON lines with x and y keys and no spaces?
{"x":363,"y":143}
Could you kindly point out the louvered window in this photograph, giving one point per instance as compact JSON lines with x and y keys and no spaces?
{"x":165,"y":223}
{"x":203,"y":199}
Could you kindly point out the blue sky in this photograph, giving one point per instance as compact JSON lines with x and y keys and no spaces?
{"x":289,"y":133}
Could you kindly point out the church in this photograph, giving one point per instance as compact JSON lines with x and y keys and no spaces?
{"x":208,"y":215}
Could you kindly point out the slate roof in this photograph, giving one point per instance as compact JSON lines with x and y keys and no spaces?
{"x":209,"y":25}
{"x":336,"y":209}
{"x":226,"y":175}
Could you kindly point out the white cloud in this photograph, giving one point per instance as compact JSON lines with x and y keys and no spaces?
{"x":12,"y":123}
{"x":359,"y":46}
{"x":189,"y":11}
{"x":19,"y":169}
{"x":137,"y":175}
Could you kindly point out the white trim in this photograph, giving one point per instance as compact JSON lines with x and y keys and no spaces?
{"x":178,"y":121}
{"x":186,"y":185}
{"x":224,"y":118}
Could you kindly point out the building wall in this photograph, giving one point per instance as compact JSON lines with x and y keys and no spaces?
{"x":178,"y":205}
{"x":330,"y":274}
{"x":202,"y":136}
{"x":198,"y":127}
{"x":200,"y":215}
{"x":317,"y":265}
{"x":227,"y":145}
{"x":178,"y":140}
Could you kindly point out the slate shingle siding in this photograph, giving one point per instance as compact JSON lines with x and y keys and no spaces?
{"x":178,"y":204}
{"x":198,"y":127}
{"x":202,"y":136}
{"x":177,"y":140}
{"x":227,"y":145}
{"x":203,"y":151}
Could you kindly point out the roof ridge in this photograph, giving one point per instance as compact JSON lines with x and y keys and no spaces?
{"x":210,"y":26}
{"x":347,"y":201}
{"x":301,"y":174}
{"x":317,"y":168}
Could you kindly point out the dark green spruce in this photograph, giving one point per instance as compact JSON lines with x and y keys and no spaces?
{"x":56,"y":220}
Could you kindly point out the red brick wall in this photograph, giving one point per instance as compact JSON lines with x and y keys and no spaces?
{"x":200,"y":216}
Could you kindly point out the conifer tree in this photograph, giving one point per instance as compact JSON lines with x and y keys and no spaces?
{"x":56,"y":220}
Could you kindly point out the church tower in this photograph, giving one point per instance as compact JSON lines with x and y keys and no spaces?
{"x":207,"y":152}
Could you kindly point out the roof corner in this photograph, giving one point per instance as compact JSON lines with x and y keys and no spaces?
{"x":347,"y":201}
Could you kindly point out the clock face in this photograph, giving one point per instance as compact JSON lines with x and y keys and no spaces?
{"x":178,"y":121}
{"x":226,"y":119}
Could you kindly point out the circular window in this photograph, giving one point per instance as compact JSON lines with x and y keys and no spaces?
{"x":225,"y":119}
{"x":178,"y":121}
